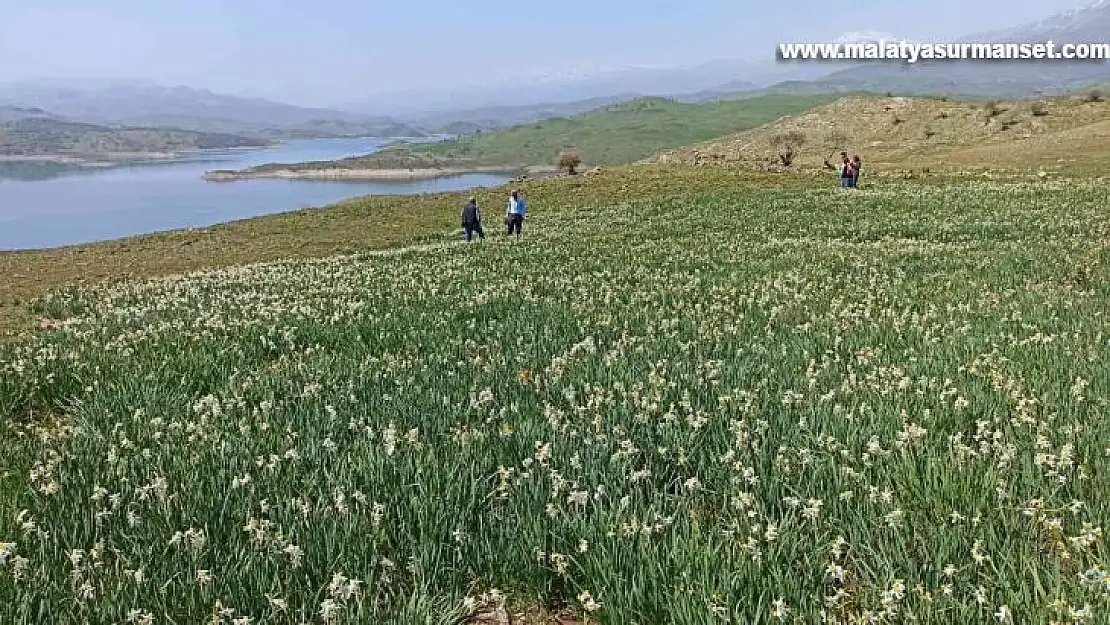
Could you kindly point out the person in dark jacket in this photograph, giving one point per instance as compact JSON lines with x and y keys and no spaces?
{"x":472,"y":219}
{"x":856,"y":165}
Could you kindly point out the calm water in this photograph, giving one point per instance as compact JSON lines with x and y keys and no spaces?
{"x":48,"y":205}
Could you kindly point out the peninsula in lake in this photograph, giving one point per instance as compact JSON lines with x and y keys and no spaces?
{"x":391,"y":164}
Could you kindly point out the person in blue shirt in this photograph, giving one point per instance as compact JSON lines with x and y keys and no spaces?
{"x":514,"y":213}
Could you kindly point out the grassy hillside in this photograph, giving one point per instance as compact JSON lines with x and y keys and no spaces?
{"x":621,"y":133}
{"x":45,"y":136}
{"x":798,"y":402}
{"x":923,"y":132}
{"x":350,"y":227}
{"x":492,"y":117}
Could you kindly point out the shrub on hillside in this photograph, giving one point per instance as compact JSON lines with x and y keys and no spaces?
{"x":787,"y":144}
{"x":1094,"y":95}
{"x":569,"y":160}
{"x":1040,"y":109}
{"x":992,"y":109}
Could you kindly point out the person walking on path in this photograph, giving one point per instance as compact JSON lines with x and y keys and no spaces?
{"x":472,"y":220}
{"x":514,"y":213}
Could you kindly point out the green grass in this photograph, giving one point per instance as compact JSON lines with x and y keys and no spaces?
{"x":702,"y":404}
{"x":622,"y":133}
{"x":357,"y":225}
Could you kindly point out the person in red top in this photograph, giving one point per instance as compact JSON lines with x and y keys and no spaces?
{"x":846,"y":171}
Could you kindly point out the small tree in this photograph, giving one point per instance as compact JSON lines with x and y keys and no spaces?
{"x":787,"y":144}
{"x":1094,"y":95}
{"x":992,"y":109}
{"x":837,"y":140}
{"x":569,"y":160}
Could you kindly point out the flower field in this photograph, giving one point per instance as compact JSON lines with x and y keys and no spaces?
{"x":777,"y":405}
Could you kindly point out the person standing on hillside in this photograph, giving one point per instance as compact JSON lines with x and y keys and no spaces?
{"x":472,"y":219}
{"x":857,"y":164}
{"x":514,"y":213}
{"x":845,"y":171}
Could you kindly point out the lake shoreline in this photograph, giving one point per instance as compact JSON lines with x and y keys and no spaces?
{"x":119,"y":159}
{"x":364,"y":175}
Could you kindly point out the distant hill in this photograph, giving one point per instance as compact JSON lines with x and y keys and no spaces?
{"x":15,"y":113}
{"x":462,"y":128}
{"x":44,"y":136}
{"x":987,"y":78}
{"x":620,"y":133}
{"x":145,"y":104}
{"x":331,"y":128}
{"x":488,"y":118}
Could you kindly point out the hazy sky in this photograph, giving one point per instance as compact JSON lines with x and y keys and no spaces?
{"x":323,"y":52}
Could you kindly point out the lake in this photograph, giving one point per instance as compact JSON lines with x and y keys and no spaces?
{"x":47,"y":205}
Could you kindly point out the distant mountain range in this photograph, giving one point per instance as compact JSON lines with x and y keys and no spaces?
{"x":146,"y":104}
{"x":1090,"y":24}
{"x":988,"y":78}
{"x":714,"y":76}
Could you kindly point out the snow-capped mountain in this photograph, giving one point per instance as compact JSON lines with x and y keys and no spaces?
{"x":1090,"y":24}
{"x":866,"y":36}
